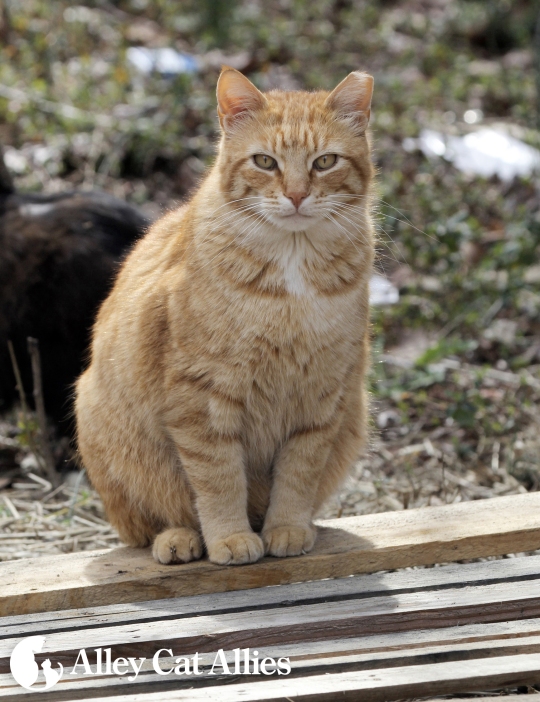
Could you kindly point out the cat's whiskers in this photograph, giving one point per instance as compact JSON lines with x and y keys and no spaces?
{"x":230,"y":213}
{"x":223,"y":220}
{"x":222,"y":250}
{"x":346,"y":232}
{"x":205,"y":241}
{"x":390,"y":258}
{"x":374,"y":208}
{"x":379,"y":227}
{"x":206,"y":237}
{"x":236,"y":236}
{"x":232,"y":202}
{"x":212,"y":218}
{"x":356,"y":227}
{"x":359,"y":227}
{"x":254,"y":230}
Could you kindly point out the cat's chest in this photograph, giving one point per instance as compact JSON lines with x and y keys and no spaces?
{"x":290,"y":272}
{"x":301,"y":346}
{"x":305,"y":318}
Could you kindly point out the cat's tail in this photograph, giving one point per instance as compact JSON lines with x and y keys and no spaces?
{"x":6,"y":181}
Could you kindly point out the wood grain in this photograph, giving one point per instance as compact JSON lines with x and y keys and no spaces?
{"x":487,"y":698}
{"x":302,"y":665}
{"x":333,"y":627}
{"x":322,"y":591}
{"x":345,"y":547}
{"x":382,"y":685}
{"x":409,"y":646}
{"x":149,"y":681}
{"x":304,"y":623}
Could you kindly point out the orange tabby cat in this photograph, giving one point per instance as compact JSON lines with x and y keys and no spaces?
{"x":226,"y":391}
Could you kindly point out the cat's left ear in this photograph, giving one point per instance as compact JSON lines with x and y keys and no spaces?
{"x":237,"y":97}
{"x":352,"y":99}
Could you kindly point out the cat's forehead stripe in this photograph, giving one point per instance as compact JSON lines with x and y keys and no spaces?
{"x":296,"y":127}
{"x":294,"y":137}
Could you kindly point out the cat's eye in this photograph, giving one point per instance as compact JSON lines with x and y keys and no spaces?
{"x":266,"y":162}
{"x":323,"y":163}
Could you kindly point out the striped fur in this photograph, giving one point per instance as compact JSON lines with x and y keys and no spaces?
{"x":225,"y":394}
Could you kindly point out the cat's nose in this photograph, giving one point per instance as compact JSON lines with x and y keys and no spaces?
{"x":297,"y":197}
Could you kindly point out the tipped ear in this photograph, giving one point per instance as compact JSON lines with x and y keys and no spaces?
{"x":236,"y":96}
{"x":352,"y":98}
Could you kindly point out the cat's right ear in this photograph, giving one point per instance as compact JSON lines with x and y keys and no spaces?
{"x":352,"y":99}
{"x":236,"y":97}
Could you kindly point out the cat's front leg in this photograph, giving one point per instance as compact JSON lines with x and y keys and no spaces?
{"x":288,"y":529}
{"x":214,"y":464}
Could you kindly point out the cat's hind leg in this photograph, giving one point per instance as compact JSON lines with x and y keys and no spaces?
{"x":135,"y":526}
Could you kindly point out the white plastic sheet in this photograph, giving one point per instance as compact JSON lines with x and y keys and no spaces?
{"x":486,"y":152}
{"x":382,"y":292}
{"x":166,"y":61}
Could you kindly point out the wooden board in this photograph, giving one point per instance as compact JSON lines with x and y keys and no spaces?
{"x":369,"y":686}
{"x":385,"y":685}
{"x":293,"y":624}
{"x":388,"y":636}
{"x":487,"y":698}
{"x":399,"y":582}
{"x":344,"y":547}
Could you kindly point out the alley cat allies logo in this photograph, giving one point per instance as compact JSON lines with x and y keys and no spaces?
{"x":24,"y":668}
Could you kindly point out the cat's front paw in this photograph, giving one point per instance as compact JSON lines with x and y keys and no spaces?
{"x":288,"y":540}
{"x":178,"y":545}
{"x":245,"y":547}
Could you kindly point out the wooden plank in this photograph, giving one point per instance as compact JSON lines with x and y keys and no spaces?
{"x":466,"y":636}
{"x":363,"y":686}
{"x":360,"y":587}
{"x":375,"y":651}
{"x":302,"y":665}
{"x":344,"y":547}
{"x":391,"y":613}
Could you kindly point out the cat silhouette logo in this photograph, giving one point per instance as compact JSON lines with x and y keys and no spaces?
{"x":24,"y":668}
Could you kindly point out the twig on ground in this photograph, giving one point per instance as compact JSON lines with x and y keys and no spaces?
{"x":50,"y":467}
{"x":18,"y":379}
{"x":22,"y":398}
{"x":75,"y":493}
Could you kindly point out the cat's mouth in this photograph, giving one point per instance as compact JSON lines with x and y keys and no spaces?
{"x":295,"y":221}
{"x":296,"y":217}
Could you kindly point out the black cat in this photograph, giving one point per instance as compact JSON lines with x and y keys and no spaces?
{"x":58,"y":257}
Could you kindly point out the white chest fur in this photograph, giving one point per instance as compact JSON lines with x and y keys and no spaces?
{"x":291,"y":260}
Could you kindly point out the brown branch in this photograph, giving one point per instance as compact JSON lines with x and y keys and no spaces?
{"x":50,"y":467}
{"x":18,"y":379}
{"x":22,"y":397}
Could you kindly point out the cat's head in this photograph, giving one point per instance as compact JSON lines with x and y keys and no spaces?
{"x":298,"y":160}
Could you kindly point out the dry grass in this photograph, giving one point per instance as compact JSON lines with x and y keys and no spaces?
{"x":37,"y":520}
{"x":41,"y":526}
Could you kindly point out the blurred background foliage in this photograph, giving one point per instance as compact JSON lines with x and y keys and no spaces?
{"x":460,"y":352}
